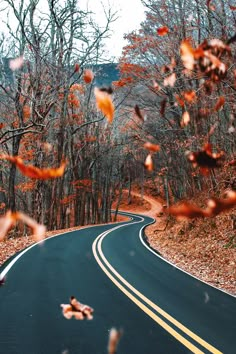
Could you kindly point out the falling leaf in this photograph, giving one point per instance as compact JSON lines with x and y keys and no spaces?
{"x":185,"y":119}
{"x":88,"y":76}
{"x":186,"y":210}
{"x":107,"y":89}
{"x":214,"y":207}
{"x":104,"y":104}
{"x":206,"y":297}
{"x":220,"y":103}
{"x":35,"y":172}
{"x":189,"y":96}
{"x":77,"y":67}
{"x":187,"y":54}
{"x":179,"y":100}
{"x":10,"y":218}
{"x":39,"y":230}
{"x":138,"y":112}
{"x":17,"y":63}
{"x":205,"y":159}
{"x":231,"y":129}
{"x":2,"y":281}
{"x":163,"y":106}
{"x":233,"y":8}
{"x":114,"y":338}
{"x":170,"y":80}
{"x":76,"y":309}
{"x":162,"y":31}
{"x":148,"y":164}
{"x":152,"y":147}
{"x":6,"y":222}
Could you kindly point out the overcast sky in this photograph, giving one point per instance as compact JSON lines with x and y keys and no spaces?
{"x":130,"y":14}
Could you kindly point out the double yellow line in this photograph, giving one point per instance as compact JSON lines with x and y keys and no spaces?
{"x":141,"y":300}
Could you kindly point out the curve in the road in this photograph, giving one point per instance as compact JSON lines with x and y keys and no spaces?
{"x":141,"y":300}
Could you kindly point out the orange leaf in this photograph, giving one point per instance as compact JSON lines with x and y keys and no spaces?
{"x":152,"y":147}
{"x":220,"y":103}
{"x":10,"y":218}
{"x":6,"y":222}
{"x":104,"y":104}
{"x":162,"y":31}
{"x":88,"y":76}
{"x":189,"y":96}
{"x":187,"y":54}
{"x":185,"y":119}
{"x":35,"y":172}
{"x":148,"y":164}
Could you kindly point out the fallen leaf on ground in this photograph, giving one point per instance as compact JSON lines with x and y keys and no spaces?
{"x":76,"y":309}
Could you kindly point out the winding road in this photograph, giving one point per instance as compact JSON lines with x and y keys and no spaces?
{"x":160,"y":308}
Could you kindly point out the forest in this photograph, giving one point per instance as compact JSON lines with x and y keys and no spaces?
{"x":75,"y":136}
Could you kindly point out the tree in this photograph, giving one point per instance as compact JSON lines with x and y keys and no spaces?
{"x":187,"y":107}
{"x":47,"y":104}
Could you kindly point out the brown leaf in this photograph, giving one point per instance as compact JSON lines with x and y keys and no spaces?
{"x":76,"y":309}
{"x":152,"y":147}
{"x":205,"y":158}
{"x":163,"y":106}
{"x":138,"y":112}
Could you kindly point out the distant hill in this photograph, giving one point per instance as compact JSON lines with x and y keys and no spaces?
{"x":105,"y":74}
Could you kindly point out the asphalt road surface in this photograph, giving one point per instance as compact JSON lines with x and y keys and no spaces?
{"x":159,"y":308}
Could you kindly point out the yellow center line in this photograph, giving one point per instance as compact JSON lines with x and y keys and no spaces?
{"x":189,"y":345}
